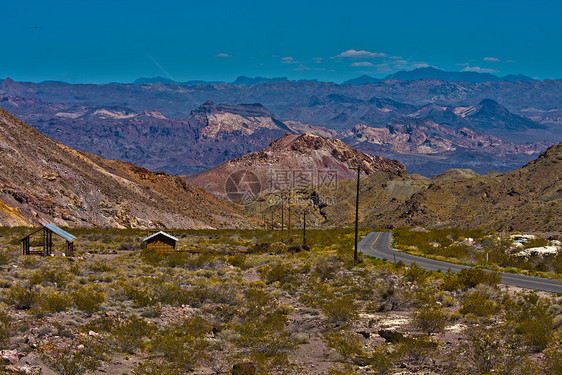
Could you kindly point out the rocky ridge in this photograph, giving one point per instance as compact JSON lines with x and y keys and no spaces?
{"x":294,"y":160}
{"x":43,"y":181}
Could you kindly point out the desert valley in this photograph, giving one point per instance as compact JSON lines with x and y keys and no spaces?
{"x":318,"y":188}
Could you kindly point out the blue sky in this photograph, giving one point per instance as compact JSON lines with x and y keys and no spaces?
{"x":120,"y":40}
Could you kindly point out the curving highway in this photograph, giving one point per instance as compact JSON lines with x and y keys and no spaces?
{"x":377,"y":244}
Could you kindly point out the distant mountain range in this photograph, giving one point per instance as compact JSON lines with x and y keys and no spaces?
{"x":412,"y":75}
{"x":441,"y":75}
{"x":165,"y":127}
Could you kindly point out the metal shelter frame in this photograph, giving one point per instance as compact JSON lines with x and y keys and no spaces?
{"x":47,"y":241}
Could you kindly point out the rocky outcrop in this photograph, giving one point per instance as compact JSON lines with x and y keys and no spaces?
{"x":294,"y":160}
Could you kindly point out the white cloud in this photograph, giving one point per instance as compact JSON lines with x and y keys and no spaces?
{"x":478,"y":69}
{"x":223,"y":55}
{"x":491,"y":59}
{"x":361,"y":54}
{"x":462,"y":64}
{"x":288,"y":60}
{"x":361,"y":64}
{"x":303,"y":67}
{"x":420,"y":65}
{"x":396,"y":57}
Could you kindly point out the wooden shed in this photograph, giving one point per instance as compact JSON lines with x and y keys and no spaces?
{"x":160,"y":242}
{"x":47,"y":241}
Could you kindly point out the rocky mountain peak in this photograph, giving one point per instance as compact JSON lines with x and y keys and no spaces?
{"x":246,"y":110}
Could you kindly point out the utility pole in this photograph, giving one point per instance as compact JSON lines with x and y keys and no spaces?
{"x":304,"y":227}
{"x":282,"y":218}
{"x":289,"y":213}
{"x":359,"y":169}
{"x":263,"y":215}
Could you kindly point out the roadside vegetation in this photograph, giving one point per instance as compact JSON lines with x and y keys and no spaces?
{"x":234,"y":297}
{"x":480,"y":248}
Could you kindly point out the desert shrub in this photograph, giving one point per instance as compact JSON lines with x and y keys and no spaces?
{"x":267,"y":341}
{"x":342,"y":369}
{"x":5,"y":327}
{"x":51,"y":300}
{"x":171,"y":293}
{"x":22,"y":297}
{"x":131,"y":333}
{"x":557,"y":322}
{"x":188,"y":261}
{"x":178,"y":348}
{"x":49,"y":275}
{"x":31,"y":262}
{"x":99,"y":266}
{"x":390,"y":296}
{"x":238,"y":260}
{"x":416,"y":349}
{"x":340,"y":310}
{"x":326,"y":268}
{"x":415,"y":273}
{"x":478,"y":303}
{"x":282,"y":272}
{"x":88,"y":299}
{"x":469,"y":278}
{"x":536,"y":331}
{"x":135,"y":290}
{"x":528,"y":314}
{"x":76,"y":358}
{"x":483,"y":348}
{"x":127,"y":246}
{"x":552,"y":362}
{"x":430,"y":319}
{"x":381,"y":360}
{"x":6,"y":257}
{"x":261,"y":330}
{"x":347,"y":344}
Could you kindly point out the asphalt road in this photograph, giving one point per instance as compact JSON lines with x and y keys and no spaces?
{"x":377,"y":244}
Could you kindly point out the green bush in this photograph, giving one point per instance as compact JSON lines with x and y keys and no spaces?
{"x":381,"y":360}
{"x":53,"y":301}
{"x":340,"y":310}
{"x":77,"y":358}
{"x":416,"y":349}
{"x":478,"y":303}
{"x":347,"y":344}
{"x":469,"y":278}
{"x":430,"y":319}
{"x":178,"y":348}
{"x":5,"y":327}
{"x":88,"y":299}
{"x":21,"y":297}
{"x":49,"y":274}
{"x":415,"y":273}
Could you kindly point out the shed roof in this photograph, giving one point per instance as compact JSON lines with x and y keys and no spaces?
{"x":161,"y":232}
{"x":64,"y":234}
